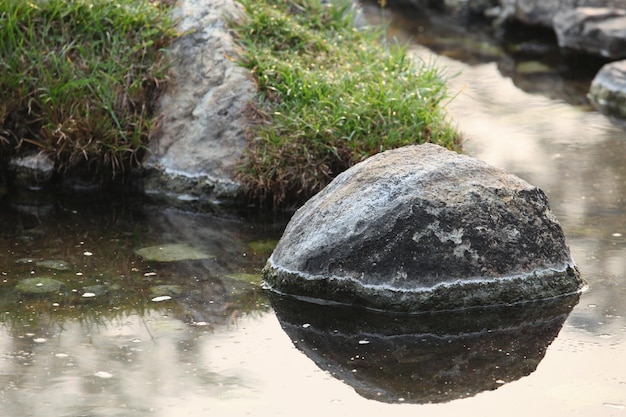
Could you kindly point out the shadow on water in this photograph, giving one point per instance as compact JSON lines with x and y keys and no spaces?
{"x":425,"y":358}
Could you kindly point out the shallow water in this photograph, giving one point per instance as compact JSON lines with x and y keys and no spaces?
{"x":219,"y":346}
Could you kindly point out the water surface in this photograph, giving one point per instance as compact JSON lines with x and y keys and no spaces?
{"x":218,"y":347}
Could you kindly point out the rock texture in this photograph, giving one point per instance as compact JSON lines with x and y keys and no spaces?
{"x":201,"y":138}
{"x":598,"y":31}
{"x":608,"y":90}
{"x":423,"y":228}
{"x":542,"y":12}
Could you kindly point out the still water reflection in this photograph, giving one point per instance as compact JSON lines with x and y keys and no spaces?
{"x":426,"y":358}
{"x":216,"y":345}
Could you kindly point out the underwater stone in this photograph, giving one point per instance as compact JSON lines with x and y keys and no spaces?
{"x":171,"y":253}
{"x":166,"y":289}
{"x":97,"y":290}
{"x":42,"y":285}
{"x":56,"y":264}
{"x":423,"y":228}
{"x":254,"y":279}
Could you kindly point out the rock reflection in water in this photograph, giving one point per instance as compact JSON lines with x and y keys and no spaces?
{"x":84,"y":258}
{"x":425,"y":358}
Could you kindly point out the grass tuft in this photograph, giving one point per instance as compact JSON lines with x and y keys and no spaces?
{"x":79,"y":78}
{"x":329,"y":97}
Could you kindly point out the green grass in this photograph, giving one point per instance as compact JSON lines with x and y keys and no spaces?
{"x":329,"y":97}
{"x":78,"y":80}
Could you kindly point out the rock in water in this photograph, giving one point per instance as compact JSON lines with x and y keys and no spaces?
{"x":37,"y":286}
{"x":608,"y":91}
{"x":423,"y":228}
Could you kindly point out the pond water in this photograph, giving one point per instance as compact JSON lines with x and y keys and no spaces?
{"x":126,"y":335}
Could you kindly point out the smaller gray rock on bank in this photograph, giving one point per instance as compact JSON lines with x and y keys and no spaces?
{"x":198,"y":147}
{"x":422,"y":228}
{"x":608,"y":91}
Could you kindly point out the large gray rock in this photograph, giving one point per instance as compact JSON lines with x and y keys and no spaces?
{"x":597,"y":31}
{"x":542,"y":12}
{"x":422,"y":228}
{"x":201,"y":139}
{"x":608,"y":90}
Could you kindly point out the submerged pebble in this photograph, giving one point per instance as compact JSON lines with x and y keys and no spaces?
{"x":171,"y":253}
{"x":56,"y":264}
{"x":165,"y":290}
{"x":26,"y":261}
{"x":255,"y":279}
{"x":95,"y":290}
{"x":41,"y":285}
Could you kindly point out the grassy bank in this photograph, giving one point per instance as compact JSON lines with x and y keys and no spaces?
{"x":78,"y":81}
{"x":329,"y":97}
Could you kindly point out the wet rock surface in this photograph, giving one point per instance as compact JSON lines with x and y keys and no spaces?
{"x":608,"y":91}
{"x":422,"y":228}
